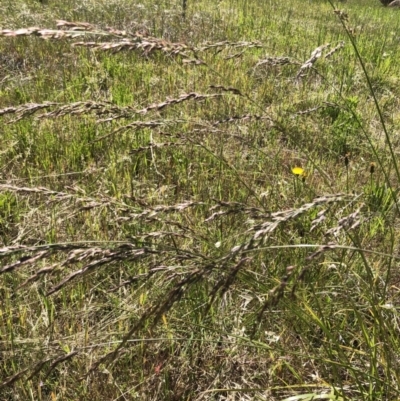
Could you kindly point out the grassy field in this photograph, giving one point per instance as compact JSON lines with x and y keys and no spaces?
{"x":200,"y":201}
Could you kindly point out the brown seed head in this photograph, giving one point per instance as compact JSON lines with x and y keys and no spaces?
{"x":372,"y":168}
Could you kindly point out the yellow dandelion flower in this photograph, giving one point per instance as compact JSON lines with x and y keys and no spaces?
{"x":297,"y":171}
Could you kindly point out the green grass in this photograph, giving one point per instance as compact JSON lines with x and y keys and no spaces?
{"x":154,"y":241}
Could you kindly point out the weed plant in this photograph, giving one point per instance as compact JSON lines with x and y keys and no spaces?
{"x":199,"y":200}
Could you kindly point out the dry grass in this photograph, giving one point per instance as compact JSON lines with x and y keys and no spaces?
{"x":156,"y":243}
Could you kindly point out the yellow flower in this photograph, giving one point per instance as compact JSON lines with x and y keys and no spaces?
{"x":297,"y":171}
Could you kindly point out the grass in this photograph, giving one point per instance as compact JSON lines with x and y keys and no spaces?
{"x":199,"y":204}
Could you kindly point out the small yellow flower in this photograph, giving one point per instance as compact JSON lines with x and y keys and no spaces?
{"x":297,"y":171}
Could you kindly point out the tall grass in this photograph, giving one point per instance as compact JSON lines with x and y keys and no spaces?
{"x":157,"y":242}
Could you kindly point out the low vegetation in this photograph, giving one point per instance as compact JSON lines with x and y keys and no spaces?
{"x":199,"y":200}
